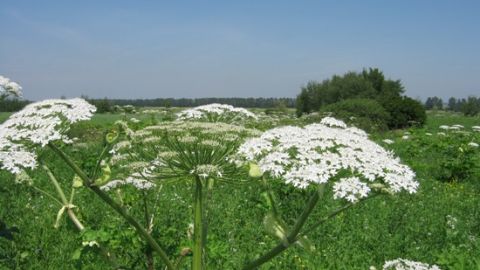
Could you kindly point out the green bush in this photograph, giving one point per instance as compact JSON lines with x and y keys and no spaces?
{"x":404,"y":112}
{"x":366,"y":114}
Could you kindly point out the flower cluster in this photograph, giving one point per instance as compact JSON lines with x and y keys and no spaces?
{"x":216,"y":113}
{"x":321,"y":152}
{"x":404,"y":264}
{"x":351,"y":189}
{"x":180,"y":149}
{"x":9,"y":88}
{"x":36,"y":125}
{"x":136,"y":180}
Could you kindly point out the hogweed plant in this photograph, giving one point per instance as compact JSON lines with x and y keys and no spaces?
{"x":196,"y":152}
{"x":204,"y":154}
{"x":24,"y":136}
{"x":328,"y":154}
{"x":216,"y":113}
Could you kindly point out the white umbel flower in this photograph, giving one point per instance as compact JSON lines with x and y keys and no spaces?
{"x":36,"y":125}
{"x":404,"y":264}
{"x":216,"y":112}
{"x":351,"y":189}
{"x":9,"y":88}
{"x":317,"y":153}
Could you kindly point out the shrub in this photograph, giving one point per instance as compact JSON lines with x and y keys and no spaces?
{"x":366,"y":114}
{"x":404,"y":112}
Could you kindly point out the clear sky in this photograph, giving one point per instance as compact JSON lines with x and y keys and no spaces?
{"x":149,"y":49}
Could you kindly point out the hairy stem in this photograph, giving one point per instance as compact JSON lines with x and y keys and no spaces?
{"x":114,"y":205}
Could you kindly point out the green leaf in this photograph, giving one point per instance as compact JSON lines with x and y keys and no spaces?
{"x":106,"y":174}
{"x":77,"y":254}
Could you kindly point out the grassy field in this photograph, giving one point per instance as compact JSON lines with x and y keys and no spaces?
{"x":439,"y":224}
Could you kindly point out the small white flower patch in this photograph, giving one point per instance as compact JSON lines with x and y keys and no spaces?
{"x":351,"y":189}
{"x":404,"y":264}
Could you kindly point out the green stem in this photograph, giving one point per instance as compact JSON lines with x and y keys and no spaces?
{"x":55,"y":183}
{"x":292,"y":236}
{"x":114,"y":205}
{"x":99,"y":161}
{"x":197,"y":262}
{"x":110,"y":257}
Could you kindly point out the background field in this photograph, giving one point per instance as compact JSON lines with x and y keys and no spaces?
{"x":440,"y":224}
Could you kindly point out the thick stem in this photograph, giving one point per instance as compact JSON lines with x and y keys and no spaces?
{"x":197,"y":262}
{"x":114,"y":205}
{"x":292,"y":236}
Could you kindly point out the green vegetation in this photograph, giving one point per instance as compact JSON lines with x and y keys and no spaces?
{"x":368,"y":85}
{"x":366,"y":114}
{"x":439,"y":224}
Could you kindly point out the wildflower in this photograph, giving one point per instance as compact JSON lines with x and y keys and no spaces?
{"x":9,"y":88}
{"x":404,"y":264}
{"x":178,"y":150}
{"x":388,"y":141}
{"x":35,"y":126}
{"x":350,"y":189}
{"x":318,"y":153}
{"x":134,"y":120}
{"x":441,"y":133}
{"x":444,"y":127}
{"x":216,"y":113}
{"x":405,"y":137}
{"x":451,"y":222}
{"x":332,"y":122}
{"x":134,"y":180}
{"x":473,"y":144}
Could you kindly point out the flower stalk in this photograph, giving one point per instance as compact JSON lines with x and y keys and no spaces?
{"x":197,"y":262}
{"x":114,"y":205}
{"x":292,"y":236}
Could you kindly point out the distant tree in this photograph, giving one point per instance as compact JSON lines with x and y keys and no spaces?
{"x":434,"y":103}
{"x":303,"y":103}
{"x":452,"y":103}
{"x":471,"y":107}
{"x":429,"y":103}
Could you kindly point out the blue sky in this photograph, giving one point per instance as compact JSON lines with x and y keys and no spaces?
{"x":149,"y":49}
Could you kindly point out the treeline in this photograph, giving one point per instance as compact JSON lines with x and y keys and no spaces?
{"x":106,"y":105}
{"x":468,"y":106}
{"x":366,"y":96}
